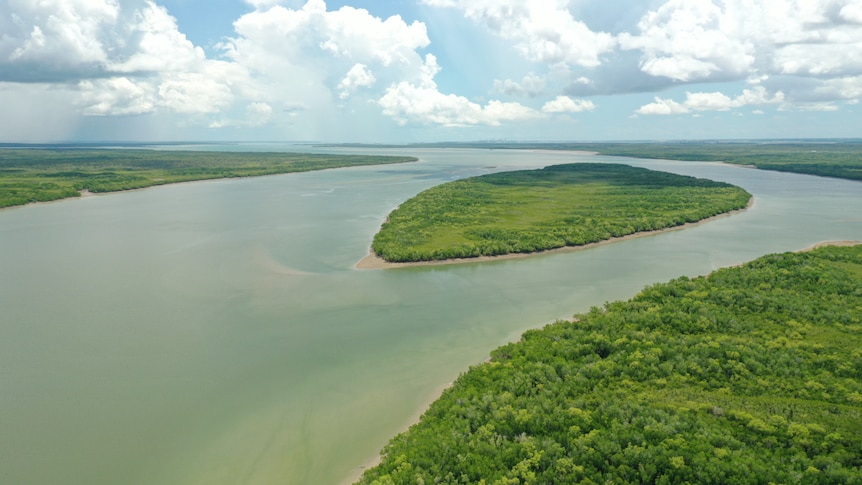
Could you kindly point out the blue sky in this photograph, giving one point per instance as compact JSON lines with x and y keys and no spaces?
{"x":428,"y":70}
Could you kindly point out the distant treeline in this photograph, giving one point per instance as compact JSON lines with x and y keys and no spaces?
{"x":534,"y":210}
{"x":835,"y":158}
{"x":749,"y":375}
{"x":38,"y":175}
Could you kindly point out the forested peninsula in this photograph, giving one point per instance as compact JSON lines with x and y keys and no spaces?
{"x":536,"y":210}
{"x":40,"y":175}
{"x":751,"y":374}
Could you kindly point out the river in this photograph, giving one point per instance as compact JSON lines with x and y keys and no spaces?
{"x":218,"y":333}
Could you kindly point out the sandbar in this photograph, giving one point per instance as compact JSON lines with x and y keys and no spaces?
{"x":830,"y":243}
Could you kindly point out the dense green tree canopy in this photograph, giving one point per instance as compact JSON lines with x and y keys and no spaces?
{"x":535,"y":210}
{"x":749,"y":375}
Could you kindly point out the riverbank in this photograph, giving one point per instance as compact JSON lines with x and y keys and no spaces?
{"x":830,"y":243}
{"x":42,"y":175}
{"x":617,"y":337}
{"x":357,"y":472}
{"x":372,"y":261}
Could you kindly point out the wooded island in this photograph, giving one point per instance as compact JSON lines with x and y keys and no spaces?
{"x":535,"y":210}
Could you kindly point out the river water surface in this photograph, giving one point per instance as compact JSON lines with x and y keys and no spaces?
{"x":218,"y":333}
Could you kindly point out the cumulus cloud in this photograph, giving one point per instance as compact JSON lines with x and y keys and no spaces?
{"x":325,"y":58}
{"x":845,"y":88}
{"x":543,"y":30}
{"x":531,"y":86}
{"x":697,"y":40}
{"x":124,"y":58}
{"x":674,"y":42}
{"x":357,"y":77}
{"x":692,"y":39}
{"x":56,"y":29}
{"x":714,"y":101}
{"x":422,"y":102}
{"x":54,"y":39}
{"x":158,"y":44}
{"x":116,"y":96}
{"x":60,"y":40}
{"x":298,"y":60}
{"x":852,"y":12}
{"x":311,"y":53}
{"x":565,"y":104}
{"x":350,"y":34}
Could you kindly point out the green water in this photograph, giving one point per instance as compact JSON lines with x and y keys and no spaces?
{"x":216,"y":332}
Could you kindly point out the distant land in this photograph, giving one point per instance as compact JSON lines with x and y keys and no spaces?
{"x":43,"y":174}
{"x":839,"y":158}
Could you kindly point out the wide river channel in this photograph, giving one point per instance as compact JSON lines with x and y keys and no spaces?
{"x":218,"y":333}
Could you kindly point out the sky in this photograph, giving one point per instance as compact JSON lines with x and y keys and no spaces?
{"x":386,"y":71}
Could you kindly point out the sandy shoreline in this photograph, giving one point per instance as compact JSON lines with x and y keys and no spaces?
{"x":372,"y":462}
{"x":830,"y":243}
{"x":372,"y":261}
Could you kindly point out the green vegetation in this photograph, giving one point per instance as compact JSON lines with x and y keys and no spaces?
{"x":749,"y":375}
{"x":827,"y":158}
{"x":839,"y":160}
{"x":38,"y":175}
{"x":535,"y":210}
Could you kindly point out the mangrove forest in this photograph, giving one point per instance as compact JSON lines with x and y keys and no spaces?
{"x":535,"y":210}
{"x":752,"y":374}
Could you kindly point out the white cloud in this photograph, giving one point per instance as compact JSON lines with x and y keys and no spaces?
{"x":852,"y":12}
{"x":78,"y":39}
{"x":101,"y":58}
{"x":301,"y":35}
{"x":359,"y":76}
{"x":116,"y":96}
{"x":686,"y":40}
{"x":259,"y":114}
{"x":849,"y":88}
{"x":715,"y":101}
{"x":543,"y":30}
{"x":263,"y":4}
{"x":677,"y":41}
{"x":825,"y":106}
{"x":565,"y":104}
{"x":160,"y":46}
{"x":194,"y":93}
{"x":125,"y":59}
{"x":422,"y":102}
{"x":301,"y":55}
{"x":702,"y":40}
{"x":662,"y":107}
{"x":331,"y":60}
{"x":531,"y":85}
{"x":69,"y":31}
